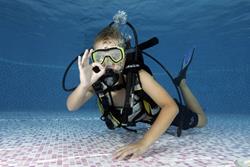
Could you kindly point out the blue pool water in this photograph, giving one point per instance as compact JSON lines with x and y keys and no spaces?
{"x":38,"y":39}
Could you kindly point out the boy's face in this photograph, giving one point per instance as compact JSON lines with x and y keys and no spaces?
{"x":109,"y":54}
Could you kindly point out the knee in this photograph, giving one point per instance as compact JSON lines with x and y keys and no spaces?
{"x":202,"y":121}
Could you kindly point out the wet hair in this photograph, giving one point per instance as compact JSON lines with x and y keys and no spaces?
{"x":110,"y":33}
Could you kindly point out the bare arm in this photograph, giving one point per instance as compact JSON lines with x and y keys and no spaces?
{"x":84,"y":91}
{"x":78,"y":97}
{"x":167,"y":114}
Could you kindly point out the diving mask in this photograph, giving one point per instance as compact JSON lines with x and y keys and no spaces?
{"x":115,"y":54}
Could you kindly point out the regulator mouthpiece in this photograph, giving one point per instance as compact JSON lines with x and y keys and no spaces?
{"x":110,"y":78}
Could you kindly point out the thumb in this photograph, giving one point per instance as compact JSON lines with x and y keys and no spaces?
{"x":98,"y":75}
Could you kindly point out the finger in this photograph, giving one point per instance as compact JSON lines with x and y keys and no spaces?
{"x":85,"y":57}
{"x":90,"y":52}
{"x":118,"y":153}
{"x":134,"y":155}
{"x":117,"y":156}
{"x":98,"y":65}
{"x":99,"y":74}
{"x":79,"y":62}
{"x":121,"y":148}
{"x":89,"y":55}
{"x":126,"y":154}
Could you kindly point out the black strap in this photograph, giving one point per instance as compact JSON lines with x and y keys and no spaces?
{"x":138,"y":116}
{"x":127,"y":109}
{"x":114,"y":88}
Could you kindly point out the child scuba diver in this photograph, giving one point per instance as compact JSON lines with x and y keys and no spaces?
{"x":123,"y":104}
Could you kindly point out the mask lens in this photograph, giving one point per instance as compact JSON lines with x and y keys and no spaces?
{"x":115,"y":54}
{"x":98,"y":56}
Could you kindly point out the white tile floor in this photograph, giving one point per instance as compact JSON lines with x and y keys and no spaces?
{"x":74,"y":139}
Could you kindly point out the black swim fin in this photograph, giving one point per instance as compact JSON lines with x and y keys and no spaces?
{"x":184,"y":67}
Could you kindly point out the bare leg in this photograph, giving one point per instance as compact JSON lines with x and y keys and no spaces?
{"x":192,"y":103}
